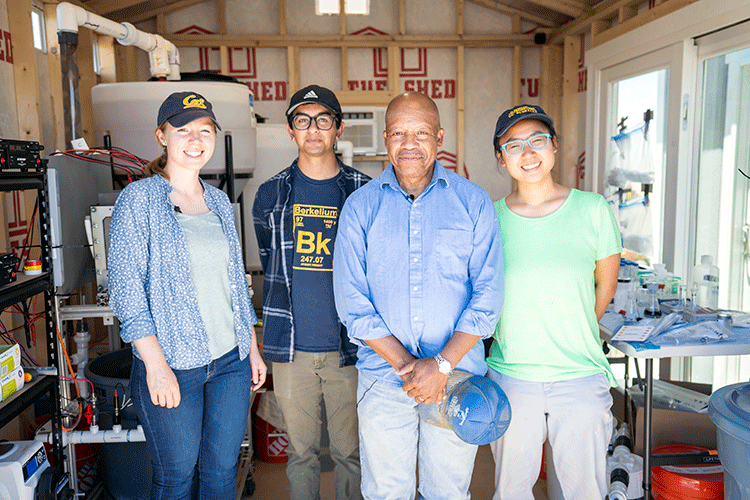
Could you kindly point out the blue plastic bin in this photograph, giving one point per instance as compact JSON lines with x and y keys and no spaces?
{"x":729,"y":409}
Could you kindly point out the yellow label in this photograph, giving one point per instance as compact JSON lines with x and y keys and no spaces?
{"x":522,"y":109}
{"x":192,"y":101}
{"x":9,"y":388}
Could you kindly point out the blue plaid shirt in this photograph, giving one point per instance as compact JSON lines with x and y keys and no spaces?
{"x":150,"y":288}
{"x":274,"y":227}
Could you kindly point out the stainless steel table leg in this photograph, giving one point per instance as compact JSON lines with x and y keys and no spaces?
{"x":647,"y":405}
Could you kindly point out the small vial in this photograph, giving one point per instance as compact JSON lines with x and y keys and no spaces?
{"x":682,"y":296}
{"x":725,"y":319}
{"x":694,"y":297}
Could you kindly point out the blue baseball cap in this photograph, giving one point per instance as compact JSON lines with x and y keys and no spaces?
{"x":476,"y":409}
{"x":180,"y":108}
{"x":511,"y":116}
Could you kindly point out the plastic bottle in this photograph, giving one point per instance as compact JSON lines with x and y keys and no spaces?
{"x":706,"y":276}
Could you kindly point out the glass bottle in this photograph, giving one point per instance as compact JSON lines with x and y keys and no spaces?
{"x":631,"y":308}
{"x":652,"y":309}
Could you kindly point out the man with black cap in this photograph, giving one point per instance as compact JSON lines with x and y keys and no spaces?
{"x":296,"y":220}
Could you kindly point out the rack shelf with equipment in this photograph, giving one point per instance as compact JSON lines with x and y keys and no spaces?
{"x":33,"y":177}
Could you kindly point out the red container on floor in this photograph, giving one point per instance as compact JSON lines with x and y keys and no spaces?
{"x":270,"y":442}
{"x":686,"y":482}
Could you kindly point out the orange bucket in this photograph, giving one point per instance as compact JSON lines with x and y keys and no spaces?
{"x":686,"y":482}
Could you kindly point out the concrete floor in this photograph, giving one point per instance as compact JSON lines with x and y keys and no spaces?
{"x":271,"y":482}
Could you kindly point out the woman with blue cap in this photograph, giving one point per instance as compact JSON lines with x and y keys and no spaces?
{"x":178,"y":286}
{"x":561,"y":250}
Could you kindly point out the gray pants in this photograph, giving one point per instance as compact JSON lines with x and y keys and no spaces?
{"x":300,"y":387}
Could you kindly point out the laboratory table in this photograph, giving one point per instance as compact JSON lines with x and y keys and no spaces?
{"x":731,"y":348}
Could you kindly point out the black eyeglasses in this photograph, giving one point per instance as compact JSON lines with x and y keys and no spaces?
{"x":323,"y":121}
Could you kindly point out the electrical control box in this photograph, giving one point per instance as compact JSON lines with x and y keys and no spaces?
{"x":20,"y":155}
{"x":21,"y":465}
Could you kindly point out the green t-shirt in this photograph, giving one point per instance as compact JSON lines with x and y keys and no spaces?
{"x":548,"y":330}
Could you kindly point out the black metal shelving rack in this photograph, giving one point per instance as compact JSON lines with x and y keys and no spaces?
{"x":28,"y":286}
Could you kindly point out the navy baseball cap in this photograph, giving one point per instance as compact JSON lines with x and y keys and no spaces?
{"x":181,"y":108}
{"x":476,"y":408}
{"x":315,"y":94}
{"x":511,"y":116}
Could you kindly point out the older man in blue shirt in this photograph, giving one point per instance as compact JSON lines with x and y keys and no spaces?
{"x":418,"y":274}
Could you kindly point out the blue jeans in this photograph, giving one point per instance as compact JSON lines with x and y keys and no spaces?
{"x":206,"y":428}
{"x":393,"y":440}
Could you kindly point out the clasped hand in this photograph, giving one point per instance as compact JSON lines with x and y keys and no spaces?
{"x":423,"y":381}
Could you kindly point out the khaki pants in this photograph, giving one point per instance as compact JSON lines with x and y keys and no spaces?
{"x":574,"y":415}
{"x":300,"y":388}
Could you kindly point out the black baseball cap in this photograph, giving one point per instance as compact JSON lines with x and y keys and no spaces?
{"x":511,"y":116}
{"x":181,"y":108}
{"x":315,"y":94}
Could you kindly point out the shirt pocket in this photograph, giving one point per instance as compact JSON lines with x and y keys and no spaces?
{"x":453,"y":252}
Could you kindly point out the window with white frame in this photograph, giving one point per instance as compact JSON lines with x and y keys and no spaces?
{"x":722,"y":219}
{"x":37,"y":28}
{"x":361,"y":7}
{"x":707,"y":196}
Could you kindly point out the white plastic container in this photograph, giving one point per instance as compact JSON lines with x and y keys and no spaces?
{"x":127,"y":111}
{"x":706,"y":276}
{"x":729,"y":409}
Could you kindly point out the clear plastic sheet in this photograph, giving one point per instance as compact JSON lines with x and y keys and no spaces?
{"x":696,"y":333}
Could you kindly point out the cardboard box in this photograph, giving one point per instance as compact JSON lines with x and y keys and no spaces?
{"x":11,"y":383}
{"x":669,"y":426}
{"x":10,"y":358}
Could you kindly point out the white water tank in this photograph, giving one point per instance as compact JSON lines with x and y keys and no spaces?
{"x":127,"y":112}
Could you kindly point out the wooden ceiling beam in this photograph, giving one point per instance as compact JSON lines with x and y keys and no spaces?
{"x":562,"y":6}
{"x":150,"y":13}
{"x":639,"y":20}
{"x":104,"y":7}
{"x":603,"y":12}
{"x":506,"y":9}
{"x":351,"y":41}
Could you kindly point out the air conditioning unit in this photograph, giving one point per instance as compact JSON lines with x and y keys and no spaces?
{"x":363,"y":126}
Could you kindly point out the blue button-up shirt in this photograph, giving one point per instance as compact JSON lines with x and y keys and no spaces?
{"x":150,"y":288}
{"x":418,"y":270}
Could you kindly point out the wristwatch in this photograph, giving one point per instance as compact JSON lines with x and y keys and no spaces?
{"x":444,"y":366}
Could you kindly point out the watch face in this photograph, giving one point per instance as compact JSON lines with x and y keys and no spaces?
{"x":444,"y":366}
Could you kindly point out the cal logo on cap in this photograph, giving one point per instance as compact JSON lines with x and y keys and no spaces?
{"x":193,"y":102}
{"x":522,"y":109}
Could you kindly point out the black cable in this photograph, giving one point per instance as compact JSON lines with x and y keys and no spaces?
{"x":132,"y":159}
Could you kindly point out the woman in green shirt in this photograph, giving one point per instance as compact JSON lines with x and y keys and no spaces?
{"x":561,"y":249}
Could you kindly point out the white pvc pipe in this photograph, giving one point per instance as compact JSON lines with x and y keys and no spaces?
{"x":96,"y":436}
{"x":163,"y":55}
{"x":346,"y":148}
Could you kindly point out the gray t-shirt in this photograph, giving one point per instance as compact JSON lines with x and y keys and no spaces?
{"x":208,"y":250}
